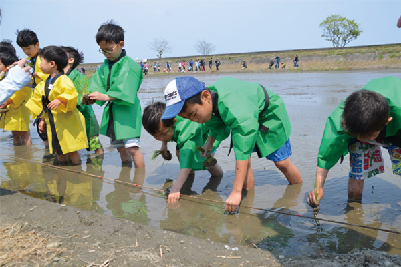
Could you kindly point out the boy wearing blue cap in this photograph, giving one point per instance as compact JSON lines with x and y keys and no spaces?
{"x":257,"y":119}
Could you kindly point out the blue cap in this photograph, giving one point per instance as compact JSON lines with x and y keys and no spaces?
{"x":177,"y":91}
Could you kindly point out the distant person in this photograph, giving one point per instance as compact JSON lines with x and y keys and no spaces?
{"x":154,"y":68}
{"x":168,"y":66}
{"x":296,"y":61}
{"x":244,"y":66}
{"x":97,"y":67}
{"x":179,"y":67}
{"x":283,"y":65}
{"x":196,"y":65}
{"x":83,"y":70}
{"x":210,"y":63}
{"x":277,"y":62}
{"x":217,"y":62}
{"x":158,"y":66}
{"x":271,"y":64}
{"x":367,"y":120}
{"x":145,"y":68}
{"x":183,"y":65}
{"x":142,"y":66}
{"x":191,"y":65}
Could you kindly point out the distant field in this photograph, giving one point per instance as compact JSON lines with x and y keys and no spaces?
{"x":325,"y":59}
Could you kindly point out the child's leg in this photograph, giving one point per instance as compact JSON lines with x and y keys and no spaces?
{"x":62,"y":158}
{"x":125,"y":157}
{"x":355,"y":188}
{"x":289,"y":170}
{"x":16,"y":138}
{"x":26,"y":137}
{"x":137,"y":156}
{"x":249,"y":182}
{"x":74,"y":157}
{"x":216,"y":170}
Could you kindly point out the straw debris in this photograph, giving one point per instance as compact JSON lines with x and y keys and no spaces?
{"x":17,"y":245}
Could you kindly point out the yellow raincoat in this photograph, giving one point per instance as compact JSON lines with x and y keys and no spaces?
{"x":38,"y":70}
{"x":17,"y":117}
{"x":69,"y":122}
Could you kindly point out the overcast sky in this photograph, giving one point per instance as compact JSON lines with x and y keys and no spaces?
{"x":232,"y":26}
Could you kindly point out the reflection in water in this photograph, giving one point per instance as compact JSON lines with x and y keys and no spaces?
{"x":309,"y":99}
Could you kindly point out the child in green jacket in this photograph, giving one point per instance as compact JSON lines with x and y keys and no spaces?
{"x":81,"y":84}
{"x":188,"y":135}
{"x":117,"y":82}
{"x":256,"y":117}
{"x":367,"y":120}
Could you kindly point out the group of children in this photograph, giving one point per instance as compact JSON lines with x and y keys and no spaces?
{"x":194,"y":115}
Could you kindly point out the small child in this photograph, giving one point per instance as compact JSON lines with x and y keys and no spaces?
{"x":54,"y":102}
{"x":158,"y":67}
{"x":81,"y":84}
{"x":258,"y":123}
{"x":154,"y":67}
{"x":16,"y":119}
{"x":117,"y":81}
{"x":367,"y":120}
{"x":186,"y":134}
{"x":283,"y":65}
{"x":29,"y":43}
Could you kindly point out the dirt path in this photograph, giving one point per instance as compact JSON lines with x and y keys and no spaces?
{"x":57,"y":235}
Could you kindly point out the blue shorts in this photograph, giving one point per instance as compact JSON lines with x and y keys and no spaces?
{"x":280,"y":154}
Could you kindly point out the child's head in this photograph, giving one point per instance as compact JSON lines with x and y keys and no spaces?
{"x":6,"y":59}
{"x":7,"y":45}
{"x":28,"y":41}
{"x":53,"y":58}
{"x":110,"y":38}
{"x":75,"y":57}
{"x":366,"y":114}
{"x":153,"y":124}
{"x":189,"y":98}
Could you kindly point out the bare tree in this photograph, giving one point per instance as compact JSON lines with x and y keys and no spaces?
{"x":204,"y":48}
{"x":161,"y":46}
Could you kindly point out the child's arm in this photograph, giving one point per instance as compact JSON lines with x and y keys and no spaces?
{"x":207,"y":147}
{"x":241,"y":168}
{"x":5,"y":104}
{"x":66,"y":94}
{"x":316,"y":195}
{"x":174,"y":195}
{"x":42,"y":125}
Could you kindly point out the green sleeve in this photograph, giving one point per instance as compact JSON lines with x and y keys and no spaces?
{"x":97,"y":83}
{"x":243,"y":120}
{"x":127,"y":78}
{"x":217,"y":129}
{"x":334,"y":143}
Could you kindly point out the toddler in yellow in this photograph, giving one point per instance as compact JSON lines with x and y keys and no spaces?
{"x":17,"y":117}
{"x":54,"y":102}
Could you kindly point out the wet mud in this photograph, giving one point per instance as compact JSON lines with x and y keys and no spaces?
{"x":309,"y":99}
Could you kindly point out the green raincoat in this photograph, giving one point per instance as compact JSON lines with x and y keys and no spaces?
{"x":120,"y":79}
{"x":335,"y":141}
{"x":188,"y":135}
{"x":92,"y":127}
{"x":240,"y":104}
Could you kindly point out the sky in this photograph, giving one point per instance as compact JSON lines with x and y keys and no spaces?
{"x":232,"y":26}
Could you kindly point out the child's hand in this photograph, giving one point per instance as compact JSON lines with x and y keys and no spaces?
{"x":42,"y":126}
{"x":99,"y":96}
{"x":35,"y":75}
{"x":232,"y":202}
{"x":173,"y":197}
{"x":314,"y":197}
{"x":54,"y":104}
{"x":207,"y":147}
{"x":4,"y":105}
{"x":164,"y":149}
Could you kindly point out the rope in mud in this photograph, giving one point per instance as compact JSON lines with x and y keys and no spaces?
{"x":205,"y":199}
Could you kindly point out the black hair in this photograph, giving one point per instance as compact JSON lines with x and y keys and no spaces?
{"x":26,"y":37}
{"x":7,"y":57}
{"x":110,"y":32}
{"x":6,"y":45}
{"x":152,"y":117}
{"x":196,"y":99}
{"x":75,"y":54}
{"x":365,"y":112}
{"x":56,"y":54}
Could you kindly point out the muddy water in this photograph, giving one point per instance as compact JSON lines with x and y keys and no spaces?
{"x":309,"y":98}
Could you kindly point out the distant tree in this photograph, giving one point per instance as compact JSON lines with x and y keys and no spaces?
{"x":340,"y":30}
{"x":161,"y":46}
{"x":204,"y":48}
